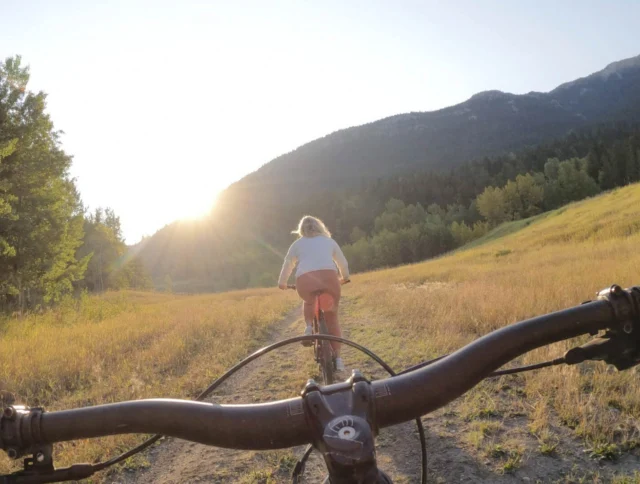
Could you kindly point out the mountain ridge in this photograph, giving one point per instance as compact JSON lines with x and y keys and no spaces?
{"x":612,"y":68}
{"x":449,"y":136}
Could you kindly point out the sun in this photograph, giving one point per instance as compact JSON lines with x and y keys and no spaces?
{"x":195,"y":205}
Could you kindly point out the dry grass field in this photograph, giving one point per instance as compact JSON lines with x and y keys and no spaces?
{"x":129,"y":345}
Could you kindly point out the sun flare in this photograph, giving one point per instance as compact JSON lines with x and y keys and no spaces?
{"x":193,"y":205}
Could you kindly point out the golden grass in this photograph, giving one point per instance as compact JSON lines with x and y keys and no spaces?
{"x":561,"y":259}
{"x":129,"y":345}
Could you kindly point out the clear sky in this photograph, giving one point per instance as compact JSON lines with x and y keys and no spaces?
{"x":163,"y":104}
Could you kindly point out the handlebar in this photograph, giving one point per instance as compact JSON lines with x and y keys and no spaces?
{"x":288,"y":423}
{"x":282,"y":423}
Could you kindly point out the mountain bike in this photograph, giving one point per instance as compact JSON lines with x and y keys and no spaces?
{"x":322,"y":351}
{"x":339,"y":420}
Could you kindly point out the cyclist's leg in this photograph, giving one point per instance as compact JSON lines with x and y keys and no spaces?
{"x":307,"y":312}
{"x":323,"y":280}
{"x":305,"y":286}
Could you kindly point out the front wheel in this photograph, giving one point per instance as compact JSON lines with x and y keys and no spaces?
{"x":326,"y":363}
{"x":325,"y":357}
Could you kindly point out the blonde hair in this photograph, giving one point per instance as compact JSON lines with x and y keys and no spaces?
{"x":310,"y":227}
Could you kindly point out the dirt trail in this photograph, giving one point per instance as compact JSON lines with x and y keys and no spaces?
{"x":282,"y":374}
{"x":177,"y":460}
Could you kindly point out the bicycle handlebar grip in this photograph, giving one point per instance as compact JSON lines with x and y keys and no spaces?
{"x":275,"y":425}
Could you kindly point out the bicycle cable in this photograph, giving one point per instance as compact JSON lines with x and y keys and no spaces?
{"x":507,"y":371}
{"x":522,"y":369}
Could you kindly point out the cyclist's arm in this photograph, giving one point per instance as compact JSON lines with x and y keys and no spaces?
{"x":290,"y":261}
{"x":341,"y":261}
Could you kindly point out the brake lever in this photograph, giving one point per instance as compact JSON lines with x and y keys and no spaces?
{"x":619,"y":346}
{"x":612,"y":349}
{"x":20,"y":435}
{"x":72,"y":473}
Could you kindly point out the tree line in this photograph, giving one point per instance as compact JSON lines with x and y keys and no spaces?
{"x":611,"y":153}
{"x":49,"y":245}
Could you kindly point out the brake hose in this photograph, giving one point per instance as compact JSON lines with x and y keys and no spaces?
{"x":507,"y":371}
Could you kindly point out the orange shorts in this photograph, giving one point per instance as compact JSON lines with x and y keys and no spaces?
{"x":327,"y":281}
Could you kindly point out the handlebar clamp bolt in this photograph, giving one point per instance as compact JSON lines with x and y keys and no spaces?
{"x":12,"y":453}
{"x":628,"y":327}
{"x":311,"y":386}
{"x":9,"y":413}
{"x":356,"y":376}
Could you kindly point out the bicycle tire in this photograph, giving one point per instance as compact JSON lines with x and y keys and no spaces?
{"x":316,"y":343}
{"x":326,"y":353}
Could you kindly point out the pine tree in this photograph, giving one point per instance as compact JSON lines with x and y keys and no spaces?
{"x":45,"y":226}
{"x":632,"y":167}
{"x":594,"y":164}
{"x":168,"y":283}
{"x":608,"y":176}
{"x":6,"y":198}
{"x":104,"y":247}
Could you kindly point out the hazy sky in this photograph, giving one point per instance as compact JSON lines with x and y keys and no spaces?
{"x":164,"y":104}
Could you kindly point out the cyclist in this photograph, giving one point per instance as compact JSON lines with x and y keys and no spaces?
{"x":321,"y":267}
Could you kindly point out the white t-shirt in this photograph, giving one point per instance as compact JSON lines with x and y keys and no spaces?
{"x":313,"y":254}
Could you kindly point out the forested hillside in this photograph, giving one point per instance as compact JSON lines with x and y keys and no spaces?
{"x":489,"y":123}
{"x":398,"y":219}
{"x":49,"y":245}
{"x":406,"y":232}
